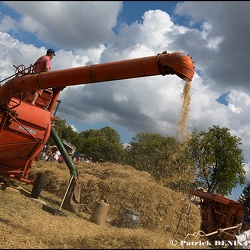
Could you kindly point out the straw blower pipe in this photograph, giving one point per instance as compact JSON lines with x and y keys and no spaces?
{"x":177,"y":63}
{"x":25,"y":128}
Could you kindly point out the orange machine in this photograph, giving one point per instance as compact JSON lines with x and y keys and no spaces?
{"x":25,"y":129}
{"x":218,"y":211}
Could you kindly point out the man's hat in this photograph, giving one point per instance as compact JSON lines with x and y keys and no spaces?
{"x":246,"y":220}
{"x":51,"y":51}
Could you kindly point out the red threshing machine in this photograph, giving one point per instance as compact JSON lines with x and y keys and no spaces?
{"x":25,"y":128}
{"x":218,"y":211}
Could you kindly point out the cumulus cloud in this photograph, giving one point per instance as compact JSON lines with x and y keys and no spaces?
{"x":68,"y":24}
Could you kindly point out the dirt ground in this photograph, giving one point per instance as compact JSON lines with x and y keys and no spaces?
{"x":167,"y":220}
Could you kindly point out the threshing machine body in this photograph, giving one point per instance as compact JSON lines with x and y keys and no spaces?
{"x":25,"y":128}
{"x":218,"y":211}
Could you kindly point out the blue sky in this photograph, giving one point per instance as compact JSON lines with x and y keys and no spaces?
{"x":134,"y":10}
{"x":93,"y":32}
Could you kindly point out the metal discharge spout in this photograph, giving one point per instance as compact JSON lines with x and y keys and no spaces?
{"x":164,"y":63}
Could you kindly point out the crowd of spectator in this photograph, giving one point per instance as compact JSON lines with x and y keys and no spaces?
{"x":51,"y":153}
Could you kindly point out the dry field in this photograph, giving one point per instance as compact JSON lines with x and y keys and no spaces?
{"x":164,"y":214}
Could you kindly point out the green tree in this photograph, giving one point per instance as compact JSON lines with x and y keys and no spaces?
{"x":245,"y":200}
{"x":164,"y":158}
{"x":64,"y":132}
{"x":245,"y":193}
{"x":219,"y":160}
{"x":101,"y":145}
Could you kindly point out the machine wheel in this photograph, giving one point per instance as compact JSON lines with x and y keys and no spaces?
{"x":20,"y":70}
{"x":38,"y":185}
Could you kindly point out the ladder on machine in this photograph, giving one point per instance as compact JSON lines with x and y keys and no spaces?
{"x":184,"y":218}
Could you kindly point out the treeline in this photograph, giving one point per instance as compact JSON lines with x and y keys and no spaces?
{"x":212,"y":160}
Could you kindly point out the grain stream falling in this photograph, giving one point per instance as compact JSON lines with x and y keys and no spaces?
{"x":181,"y":130}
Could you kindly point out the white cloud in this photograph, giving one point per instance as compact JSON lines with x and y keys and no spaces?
{"x":68,"y":24}
{"x":83,"y":34}
{"x":74,"y":128}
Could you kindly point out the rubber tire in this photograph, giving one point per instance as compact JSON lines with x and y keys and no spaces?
{"x":38,"y":185}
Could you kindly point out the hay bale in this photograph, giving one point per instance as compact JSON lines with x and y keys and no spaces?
{"x":161,"y":209}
